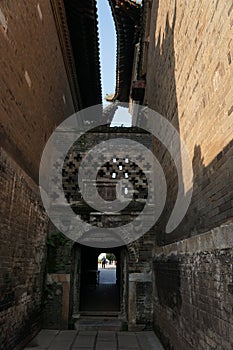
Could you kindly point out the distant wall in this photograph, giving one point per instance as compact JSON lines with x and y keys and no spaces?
{"x":189,"y":73}
{"x":135,"y":275}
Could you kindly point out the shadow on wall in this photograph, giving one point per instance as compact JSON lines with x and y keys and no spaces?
{"x":213,"y":191}
{"x":211,"y":206}
{"x":161,"y":97}
{"x":211,"y":203}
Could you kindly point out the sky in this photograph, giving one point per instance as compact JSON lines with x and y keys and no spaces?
{"x":107,"y":35}
{"x":108,"y":45}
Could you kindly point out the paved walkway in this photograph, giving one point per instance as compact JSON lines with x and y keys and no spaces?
{"x":101,"y":340}
{"x":107,"y":275}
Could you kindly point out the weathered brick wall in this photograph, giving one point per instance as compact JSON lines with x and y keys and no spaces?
{"x":193,"y":291}
{"x":189,"y":75}
{"x":35,"y":97}
{"x":23,"y":229}
{"x":138,"y":272}
{"x":56,"y":292}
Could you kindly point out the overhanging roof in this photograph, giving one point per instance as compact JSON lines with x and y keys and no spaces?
{"x":126,"y":14}
{"x":83,"y":30}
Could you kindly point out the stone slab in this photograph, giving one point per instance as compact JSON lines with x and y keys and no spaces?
{"x":91,"y":333}
{"x":127,"y":340}
{"x":84,"y":341}
{"x":63,"y":340}
{"x":148,"y":341}
{"x":106,"y":345}
{"x":106,"y":336}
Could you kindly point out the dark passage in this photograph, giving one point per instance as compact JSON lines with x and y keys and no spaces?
{"x":104,"y":297}
{"x":100,"y":289}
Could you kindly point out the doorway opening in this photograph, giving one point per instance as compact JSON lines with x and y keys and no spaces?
{"x":100,"y":283}
{"x":107,"y":269}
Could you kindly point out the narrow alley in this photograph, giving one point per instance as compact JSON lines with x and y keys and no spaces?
{"x":116,"y":186}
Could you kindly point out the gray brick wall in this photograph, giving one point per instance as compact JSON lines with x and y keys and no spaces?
{"x":23,"y":229}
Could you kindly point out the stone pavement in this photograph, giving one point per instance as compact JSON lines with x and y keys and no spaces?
{"x":93,"y":340}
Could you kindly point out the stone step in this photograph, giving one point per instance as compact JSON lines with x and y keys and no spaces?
{"x":100,"y":313}
{"x":89,"y":323}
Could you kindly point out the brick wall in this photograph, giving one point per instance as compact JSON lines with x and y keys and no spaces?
{"x":189,"y":75}
{"x":22,"y":252}
{"x":136,"y":304}
{"x":188,"y":82}
{"x":35,"y":97}
{"x":193,"y":291}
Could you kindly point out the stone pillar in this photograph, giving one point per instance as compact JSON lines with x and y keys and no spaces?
{"x":64,"y":281}
{"x":136,"y":280}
